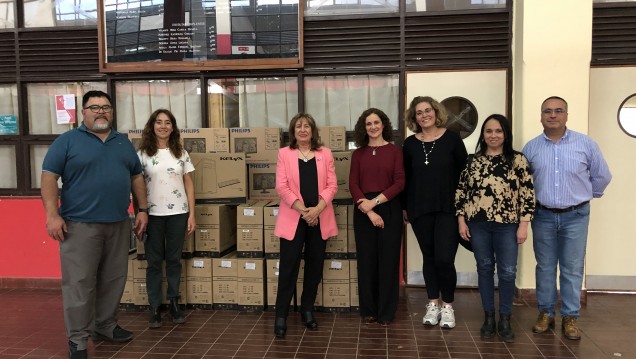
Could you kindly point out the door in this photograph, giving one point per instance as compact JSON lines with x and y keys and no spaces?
{"x":472,"y":94}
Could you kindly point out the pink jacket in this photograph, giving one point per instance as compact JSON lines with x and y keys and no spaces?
{"x":288,"y":188}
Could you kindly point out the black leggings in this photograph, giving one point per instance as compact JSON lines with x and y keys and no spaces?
{"x":438,"y":237}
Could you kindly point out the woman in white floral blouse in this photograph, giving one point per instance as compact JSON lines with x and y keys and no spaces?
{"x":168,"y":174}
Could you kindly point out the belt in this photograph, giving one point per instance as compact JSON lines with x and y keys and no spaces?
{"x":563,"y":210}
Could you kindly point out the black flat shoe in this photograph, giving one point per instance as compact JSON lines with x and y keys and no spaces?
{"x":309,"y":321}
{"x":280,"y":327}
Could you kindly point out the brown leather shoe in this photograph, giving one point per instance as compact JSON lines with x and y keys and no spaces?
{"x":570,"y":331}
{"x":543,"y":323}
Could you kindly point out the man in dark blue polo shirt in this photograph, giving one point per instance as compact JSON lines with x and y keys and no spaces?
{"x":99,"y":168}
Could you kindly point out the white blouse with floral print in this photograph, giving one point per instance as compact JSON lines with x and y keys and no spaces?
{"x":164,"y":182}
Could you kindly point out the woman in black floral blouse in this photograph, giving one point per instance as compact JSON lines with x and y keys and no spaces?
{"x":495,"y":202}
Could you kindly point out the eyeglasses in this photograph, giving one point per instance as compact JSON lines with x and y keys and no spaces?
{"x":426,"y":110}
{"x":96,"y":108}
{"x":549,"y":111}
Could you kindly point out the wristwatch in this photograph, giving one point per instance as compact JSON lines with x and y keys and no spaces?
{"x":377,"y":201}
{"x":144,"y":210}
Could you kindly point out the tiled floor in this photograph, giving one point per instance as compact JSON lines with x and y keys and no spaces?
{"x":31,"y":326}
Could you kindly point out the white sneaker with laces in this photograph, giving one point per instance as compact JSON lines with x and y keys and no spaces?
{"x":432,"y":314}
{"x":448,"y":317}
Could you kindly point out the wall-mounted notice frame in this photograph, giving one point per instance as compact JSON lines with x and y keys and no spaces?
{"x":199,"y":35}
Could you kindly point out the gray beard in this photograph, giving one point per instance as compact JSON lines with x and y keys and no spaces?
{"x":100,"y":126}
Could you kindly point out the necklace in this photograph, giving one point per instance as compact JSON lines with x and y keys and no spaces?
{"x":374,"y":148}
{"x":305,"y":157}
{"x":426,"y":153}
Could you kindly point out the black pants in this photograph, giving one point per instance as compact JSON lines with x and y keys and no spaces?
{"x":378,"y":251}
{"x":438,"y":237}
{"x":290,"y":255}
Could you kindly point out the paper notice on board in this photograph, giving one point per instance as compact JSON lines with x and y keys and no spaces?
{"x":65,"y":108}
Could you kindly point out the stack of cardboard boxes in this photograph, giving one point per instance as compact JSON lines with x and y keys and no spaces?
{"x":231,"y":261}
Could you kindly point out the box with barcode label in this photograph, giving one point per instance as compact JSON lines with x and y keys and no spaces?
{"x":249,"y":229}
{"x":224,"y":281}
{"x":336,"y":285}
{"x":251,"y":284}
{"x":199,"y":282}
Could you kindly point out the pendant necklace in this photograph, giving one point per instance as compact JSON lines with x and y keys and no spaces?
{"x":426,"y":153}
{"x":374,"y":148}
{"x":304,"y":157}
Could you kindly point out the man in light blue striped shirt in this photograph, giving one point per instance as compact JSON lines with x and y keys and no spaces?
{"x":568,"y":170}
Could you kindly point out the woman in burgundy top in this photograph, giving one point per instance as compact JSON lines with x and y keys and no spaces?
{"x":376,"y":179}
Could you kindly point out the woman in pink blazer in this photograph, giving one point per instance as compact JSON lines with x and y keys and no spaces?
{"x":306,"y":184}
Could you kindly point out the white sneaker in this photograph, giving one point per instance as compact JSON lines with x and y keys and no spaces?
{"x":448,"y":317}
{"x":432,"y":314}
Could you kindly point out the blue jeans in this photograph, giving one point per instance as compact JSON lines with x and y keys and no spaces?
{"x":495,"y":243}
{"x":560,"y":239}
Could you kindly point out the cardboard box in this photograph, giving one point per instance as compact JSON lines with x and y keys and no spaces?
{"x":353,"y":285}
{"x":336,"y":285}
{"x":334,"y":137}
{"x":201,"y":140}
{"x":128,"y":297}
{"x":251,"y":284}
{"x":219,"y":178}
{"x":271,"y":274}
{"x":337,"y":245}
{"x":262,"y":181}
{"x":216,"y":229}
{"x":272,"y":242}
{"x":259,"y":144}
{"x":249,"y":229}
{"x":224,"y":281}
{"x":140,"y":293}
{"x":195,"y":140}
{"x":199,"y":282}
{"x":342,"y":162}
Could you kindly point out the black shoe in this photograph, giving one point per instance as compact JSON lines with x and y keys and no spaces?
{"x":175,"y":312}
{"x":488,"y":329}
{"x":73,"y":353}
{"x":280,"y":327}
{"x":504,"y":329}
{"x":309,"y":321}
{"x":155,"y":318}
{"x":119,"y":335}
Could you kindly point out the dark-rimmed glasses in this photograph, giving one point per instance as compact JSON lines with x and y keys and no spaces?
{"x":96,"y":108}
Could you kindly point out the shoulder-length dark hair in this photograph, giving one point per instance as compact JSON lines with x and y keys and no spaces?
{"x":315,"y":139}
{"x":360,"y":135}
{"x":508,"y":151}
{"x":409,"y":115}
{"x":148,"y":143}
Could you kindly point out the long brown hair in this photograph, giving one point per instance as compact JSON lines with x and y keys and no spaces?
{"x":149,"y":139}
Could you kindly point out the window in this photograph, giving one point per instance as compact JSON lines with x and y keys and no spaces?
{"x":50,"y":13}
{"x":348,"y":7}
{"x":136,"y":100}
{"x":252,"y":102}
{"x":8,"y":175}
{"x":339,"y":100}
{"x":436,"y":5}
{"x":7,"y":14}
{"x":42,"y":109}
